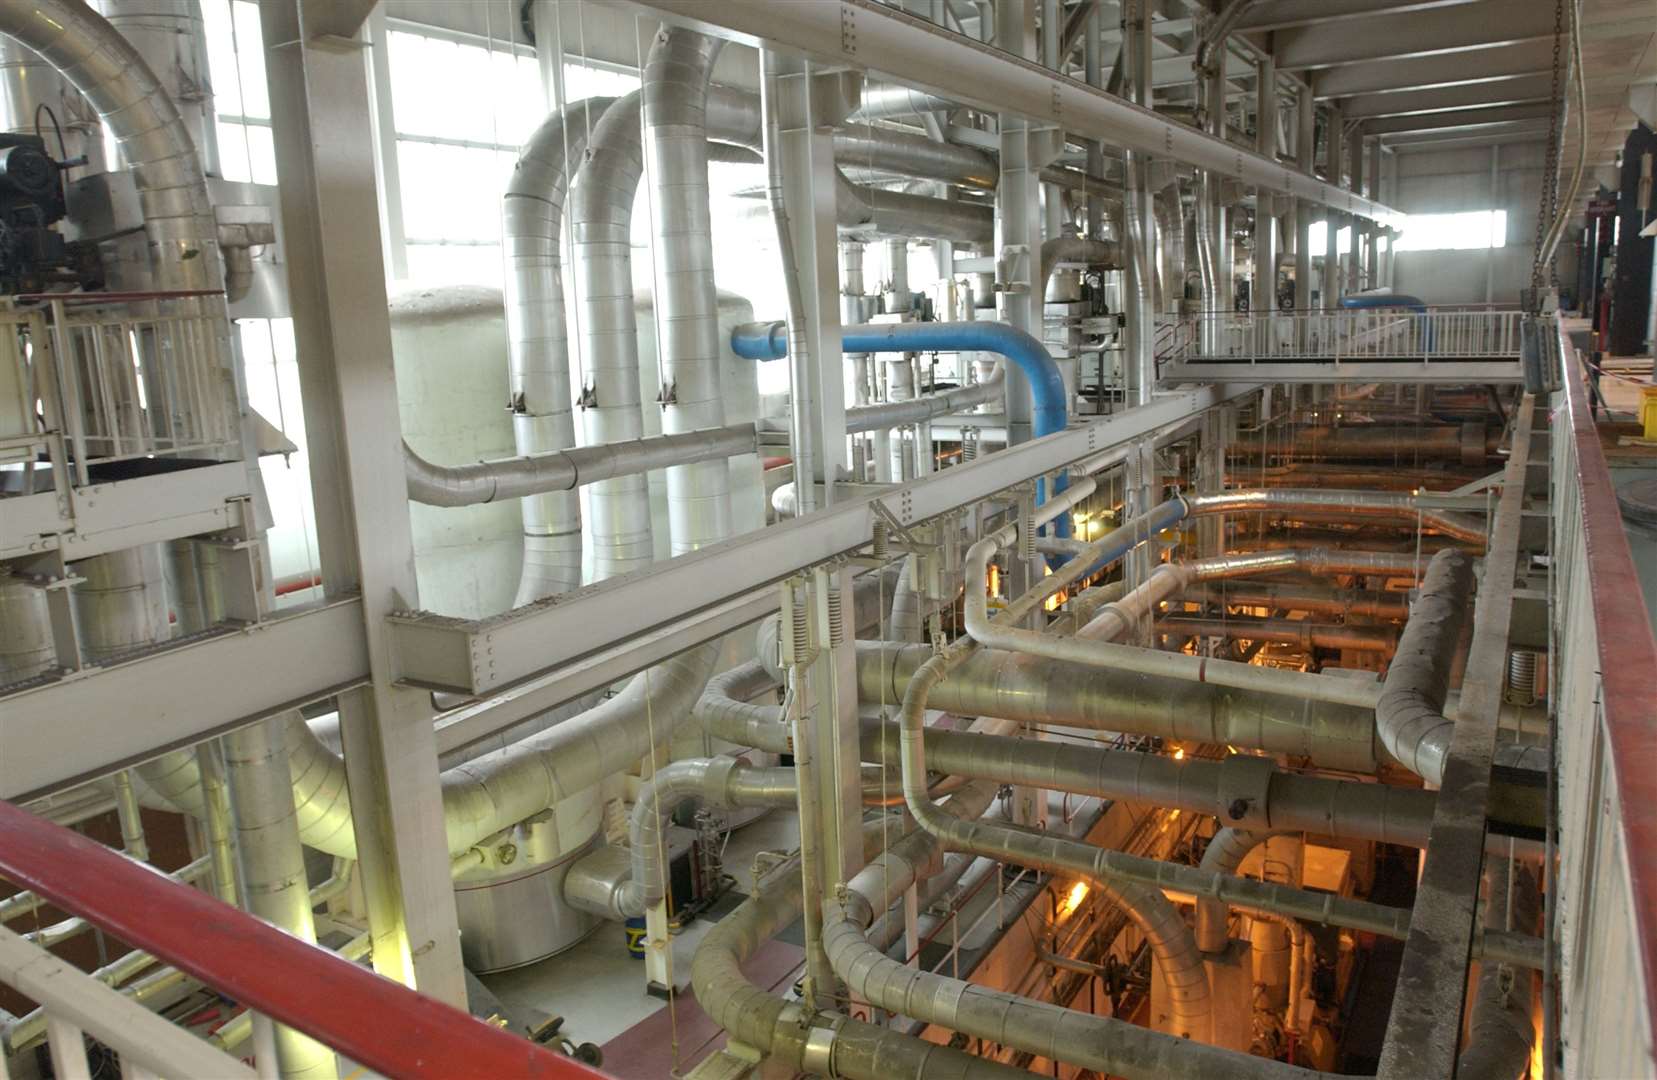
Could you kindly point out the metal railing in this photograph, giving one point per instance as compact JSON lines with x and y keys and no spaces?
{"x":1603,"y":670}
{"x":1355,"y":335}
{"x":121,"y":376}
{"x":373,"y":1022}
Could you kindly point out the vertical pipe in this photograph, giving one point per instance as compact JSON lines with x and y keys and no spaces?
{"x":1018,"y":221}
{"x":272,"y":862}
{"x":132,"y":823}
{"x":1305,"y":152}
{"x":215,"y":797}
{"x":1093,"y":72}
{"x":1330,"y":287}
{"x":1263,"y":290}
{"x":1139,"y":341}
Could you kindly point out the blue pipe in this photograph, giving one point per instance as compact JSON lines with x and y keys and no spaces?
{"x":769,"y":341}
{"x":1381,"y":301}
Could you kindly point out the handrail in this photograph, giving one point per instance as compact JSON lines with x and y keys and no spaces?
{"x":377,"y":1023}
{"x":1626,"y":656}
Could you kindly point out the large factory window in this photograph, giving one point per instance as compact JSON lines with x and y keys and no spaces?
{"x":236,"y":59}
{"x":1474,"y":230}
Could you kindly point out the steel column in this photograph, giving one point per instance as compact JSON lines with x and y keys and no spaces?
{"x":1305,"y":151}
{"x":1138,"y":279}
{"x":1263,"y":290}
{"x":321,"y":105}
{"x":1018,"y":217}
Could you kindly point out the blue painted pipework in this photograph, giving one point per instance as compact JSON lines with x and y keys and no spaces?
{"x":769,"y":341}
{"x":1381,"y":301}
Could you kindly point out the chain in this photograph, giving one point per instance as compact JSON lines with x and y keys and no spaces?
{"x":1549,"y":202}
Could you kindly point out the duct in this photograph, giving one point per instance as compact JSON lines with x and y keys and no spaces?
{"x":1224,"y":855}
{"x":896,"y":151}
{"x":1500,"y":1032}
{"x":1034,"y":689}
{"x":601,"y":214}
{"x":532,"y":212}
{"x":887,"y":101}
{"x":1469,"y":443}
{"x":1341,"y":504}
{"x":725,"y":710}
{"x":1057,"y":249}
{"x":872,"y":212}
{"x":1170,"y":227}
{"x":565,"y":470}
{"x":676,"y":75}
{"x":908,"y":617}
{"x":1317,"y":600}
{"x":1409,"y":717}
{"x":1305,"y":634}
{"x":825,"y":1044}
{"x":1242,"y":790}
{"x":26,"y":648}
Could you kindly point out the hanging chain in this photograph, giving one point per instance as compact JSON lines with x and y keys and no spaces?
{"x":1549,"y":201}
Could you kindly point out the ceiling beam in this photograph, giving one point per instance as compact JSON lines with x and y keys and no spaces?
{"x":1524,"y":131}
{"x":1422,"y":72}
{"x":1480,"y":25}
{"x":1460,"y":118}
{"x":1282,"y":14}
{"x":1478,"y":95}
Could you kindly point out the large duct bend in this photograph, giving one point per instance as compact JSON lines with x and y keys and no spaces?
{"x":1409,"y":717}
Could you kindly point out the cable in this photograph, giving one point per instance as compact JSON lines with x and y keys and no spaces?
{"x":63,"y":148}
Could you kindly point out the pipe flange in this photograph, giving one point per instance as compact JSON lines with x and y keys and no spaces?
{"x":716,"y":780}
{"x":818,"y":1056}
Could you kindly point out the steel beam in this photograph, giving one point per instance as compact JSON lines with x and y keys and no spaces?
{"x":1477,"y":95}
{"x":485,"y":656}
{"x":1421,"y":72}
{"x":321,"y":115}
{"x":1441,"y":372}
{"x":1458,"y":119}
{"x":1283,"y":14}
{"x":123,"y":514}
{"x":1481,"y":25}
{"x":901,"y":48}
{"x":1424,"y":1028}
{"x":101,"y":719}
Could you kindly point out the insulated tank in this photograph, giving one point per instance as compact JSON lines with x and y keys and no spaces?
{"x":449,"y":344}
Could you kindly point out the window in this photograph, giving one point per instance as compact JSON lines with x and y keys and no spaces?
{"x":1317,"y":239}
{"x":462,"y":111}
{"x":1474,"y":230}
{"x":236,"y":61}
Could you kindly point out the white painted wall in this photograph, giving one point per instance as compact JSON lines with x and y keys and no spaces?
{"x":1445,"y":181}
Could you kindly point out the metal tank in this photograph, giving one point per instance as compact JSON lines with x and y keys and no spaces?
{"x":26,"y":648}
{"x":449,"y":345}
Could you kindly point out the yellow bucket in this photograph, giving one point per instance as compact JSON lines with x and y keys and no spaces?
{"x":1648,"y":411}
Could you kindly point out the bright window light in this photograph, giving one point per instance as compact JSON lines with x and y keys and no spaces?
{"x":1474,"y":230}
{"x":1318,"y":238}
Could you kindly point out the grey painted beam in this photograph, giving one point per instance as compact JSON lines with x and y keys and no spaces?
{"x":1481,"y":25}
{"x":1282,"y":14}
{"x":1459,"y":118}
{"x":1480,"y":95}
{"x":1421,"y":72}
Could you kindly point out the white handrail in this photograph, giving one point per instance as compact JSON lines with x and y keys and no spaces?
{"x":1349,"y":335}
{"x":77,"y":1004}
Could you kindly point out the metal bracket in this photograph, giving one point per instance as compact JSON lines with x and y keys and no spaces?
{"x":885,"y":516}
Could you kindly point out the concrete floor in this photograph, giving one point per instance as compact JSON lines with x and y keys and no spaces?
{"x":594,"y":988}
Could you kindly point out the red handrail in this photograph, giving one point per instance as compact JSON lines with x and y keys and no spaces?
{"x":373,"y":1021}
{"x":1627,"y":657}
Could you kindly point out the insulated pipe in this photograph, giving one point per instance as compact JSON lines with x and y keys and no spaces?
{"x":1469,"y":444}
{"x":532,"y":212}
{"x":725,"y":710}
{"x":601,"y":214}
{"x":873,"y":211}
{"x":271,"y":863}
{"x":676,"y":75}
{"x":1319,"y":600}
{"x":887,"y":101}
{"x":1057,"y":249}
{"x":1409,"y":717}
{"x":1339,"y":504}
{"x":565,"y":470}
{"x":1039,"y":690}
{"x":887,"y":149}
{"x":1170,"y":227}
{"x":1307,"y":635}
{"x":1375,"y":301}
{"x":769,"y":341}
{"x":822,"y":1043}
{"x":1500,"y":1031}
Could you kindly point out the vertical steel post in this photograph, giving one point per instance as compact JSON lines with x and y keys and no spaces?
{"x":1360,"y":229}
{"x":320,"y":108}
{"x":1018,"y":217}
{"x":1139,"y":339}
{"x":1330,"y":286}
{"x":1263,"y":290}
{"x":1305,"y":152}
{"x":1372,"y":254}
{"x":807,"y":147}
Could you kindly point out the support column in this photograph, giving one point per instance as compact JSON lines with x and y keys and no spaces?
{"x":1263,"y":290}
{"x":1354,"y":262}
{"x":1139,"y":245}
{"x":807,"y":147}
{"x":320,"y":107}
{"x":1018,"y":219}
{"x":1372,"y":253}
{"x":1330,"y":280}
{"x":1305,"y":152}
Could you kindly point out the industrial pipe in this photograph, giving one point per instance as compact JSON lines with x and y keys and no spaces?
{"x":1340,"y":504}
{"x":1307,"y":635}
{"x":1409,"y":717}
{"x":872,"y":211}
{"x":566,"y":470}
{"x":532,"y":213}
{"x":1469,"y":443}
{"x":1060,"y":249}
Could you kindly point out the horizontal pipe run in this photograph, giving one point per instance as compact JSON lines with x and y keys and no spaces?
{"x":564,"y":470}
{"x":1307,"y":635}
{"x":1346,"y":505}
